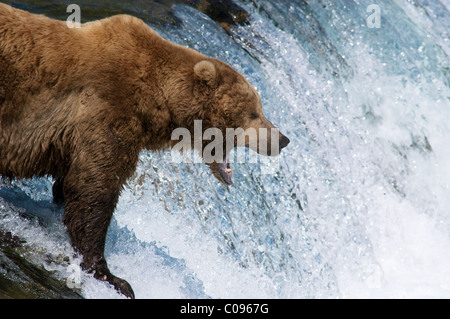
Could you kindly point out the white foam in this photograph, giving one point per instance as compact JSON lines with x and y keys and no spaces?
{"x":358,"y":207}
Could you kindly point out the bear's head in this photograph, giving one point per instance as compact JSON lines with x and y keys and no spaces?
{"x":229,"y":114}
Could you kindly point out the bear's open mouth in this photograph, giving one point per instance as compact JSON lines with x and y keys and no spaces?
{"x":225,"y":171}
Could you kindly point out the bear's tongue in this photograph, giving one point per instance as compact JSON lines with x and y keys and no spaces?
{"x":225,"y":171}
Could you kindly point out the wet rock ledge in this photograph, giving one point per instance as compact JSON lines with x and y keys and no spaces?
{"x":19,"y":279}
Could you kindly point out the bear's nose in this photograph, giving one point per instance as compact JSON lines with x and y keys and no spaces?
{"x":284,"y":141}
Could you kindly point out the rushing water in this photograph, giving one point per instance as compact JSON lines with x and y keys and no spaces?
{"x":358,"y":204}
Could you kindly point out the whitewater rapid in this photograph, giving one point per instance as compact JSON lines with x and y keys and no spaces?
{"x":358,"y":206}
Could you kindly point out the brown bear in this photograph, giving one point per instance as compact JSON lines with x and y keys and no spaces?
{"x":80,"y":104}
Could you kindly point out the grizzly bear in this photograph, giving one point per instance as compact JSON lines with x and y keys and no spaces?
{"x":80,"y":104}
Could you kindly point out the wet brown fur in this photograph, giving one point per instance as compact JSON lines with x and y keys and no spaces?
{"x":80,"y":104}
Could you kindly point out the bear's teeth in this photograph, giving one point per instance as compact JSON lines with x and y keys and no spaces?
{"x":229,"y":170}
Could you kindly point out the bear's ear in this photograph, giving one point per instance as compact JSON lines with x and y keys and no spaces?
{"x":206,"y":71}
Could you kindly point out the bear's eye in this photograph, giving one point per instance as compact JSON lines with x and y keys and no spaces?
{"x":254,"y":115}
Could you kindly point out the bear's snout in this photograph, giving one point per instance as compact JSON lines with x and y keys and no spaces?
{"x":284,"y":141}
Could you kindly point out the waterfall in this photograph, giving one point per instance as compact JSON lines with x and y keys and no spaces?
{"x":358,"y":204}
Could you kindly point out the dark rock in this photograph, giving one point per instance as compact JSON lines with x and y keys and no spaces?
{"x":159,"y":12}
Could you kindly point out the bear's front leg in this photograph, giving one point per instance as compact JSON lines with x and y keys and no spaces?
{"x":87,"y":217}
{"x":91,"y":192}
{"x":103,"y":157}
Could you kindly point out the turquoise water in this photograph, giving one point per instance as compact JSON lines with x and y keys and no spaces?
{"x":358,"y":205}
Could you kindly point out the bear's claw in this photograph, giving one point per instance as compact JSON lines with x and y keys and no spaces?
{"x":119,"y":284}
{"x":122,"y":286}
